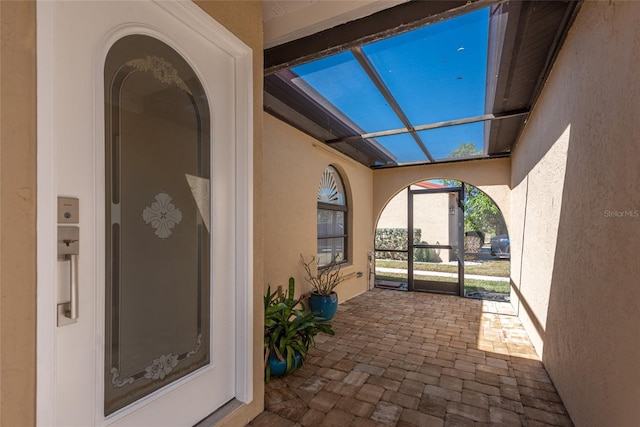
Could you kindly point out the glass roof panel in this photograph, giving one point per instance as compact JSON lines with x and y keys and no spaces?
{"x":340,"y":80}
{"x":403,"y":147}
{"x":438,"y":72}
{"x":447,"y":71}
{"x":460,"y":141}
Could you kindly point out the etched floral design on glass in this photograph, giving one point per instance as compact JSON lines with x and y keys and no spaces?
{"x":161,"y":70}
{"x":162,"y":215}
{"x":161,"y":367}
{"x":158,"y":369}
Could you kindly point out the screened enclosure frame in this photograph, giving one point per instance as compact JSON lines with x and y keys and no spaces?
{"x":524,"y":38}
{"x":458,"y":249}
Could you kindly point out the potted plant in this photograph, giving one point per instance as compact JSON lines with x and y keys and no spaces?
{"x":323,"y":300}
{"x":289,"y":331}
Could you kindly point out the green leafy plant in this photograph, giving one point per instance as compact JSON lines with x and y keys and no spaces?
{"x":289,"y":328}
{"x":480,"y":211}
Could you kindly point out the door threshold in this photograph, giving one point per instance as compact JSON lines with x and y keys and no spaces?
{"x":219,"y":414}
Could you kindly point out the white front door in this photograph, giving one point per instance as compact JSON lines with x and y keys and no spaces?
{"x":144,"y":119}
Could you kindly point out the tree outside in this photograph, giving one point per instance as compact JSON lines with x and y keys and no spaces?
{"x":480,"y":212}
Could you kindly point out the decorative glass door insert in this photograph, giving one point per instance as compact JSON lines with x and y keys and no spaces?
{"x":157,"y":313}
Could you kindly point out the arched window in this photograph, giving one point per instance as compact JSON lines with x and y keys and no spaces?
{"x":332,"y":218}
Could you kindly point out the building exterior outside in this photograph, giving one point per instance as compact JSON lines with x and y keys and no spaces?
{"x":435,"y":219}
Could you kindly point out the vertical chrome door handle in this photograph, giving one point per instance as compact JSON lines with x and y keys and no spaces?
{"x":73,"y":300}
{"x":68,"y":248}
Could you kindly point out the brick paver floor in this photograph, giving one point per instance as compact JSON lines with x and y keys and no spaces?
{"x":417,"y":359}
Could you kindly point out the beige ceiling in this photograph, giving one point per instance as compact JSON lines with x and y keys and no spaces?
{"x":286,"y":20}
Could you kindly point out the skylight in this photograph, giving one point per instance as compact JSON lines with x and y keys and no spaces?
{"x":436,"y":73}
{"x":446,"y":90}
{"x":341,"y":81}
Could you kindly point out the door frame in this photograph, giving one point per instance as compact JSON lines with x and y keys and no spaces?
{"x":190,"y":14}
{"x":459,"y":249}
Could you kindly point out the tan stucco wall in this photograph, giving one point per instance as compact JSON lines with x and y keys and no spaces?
{"x":17,"y":214}
{"x":536,"y":205}
{"x":244,"y":19}
{"x":431,"y":217}
{"x":576,"y":218}
{"x":293,"y":166}
{"x":395,"y":212}
{"x":491,"y":176}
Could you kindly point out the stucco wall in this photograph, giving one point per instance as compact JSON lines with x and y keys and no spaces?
{"x":395,"y":212}
{"x":293,"y":166}
{"x":430,"y":216}
{"x":536,"y":204}
{"x":576,"y":218}
{"x":17,"y":214}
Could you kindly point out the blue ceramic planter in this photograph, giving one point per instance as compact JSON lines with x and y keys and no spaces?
{"x":279,"y":368}
{"x":324,"y":306}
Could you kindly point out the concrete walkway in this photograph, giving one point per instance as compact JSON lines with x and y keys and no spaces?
{"x":441,"y":274}
{"x":417,"y":359}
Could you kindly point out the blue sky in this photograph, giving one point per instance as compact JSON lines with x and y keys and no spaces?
{"x":435,"y":73}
